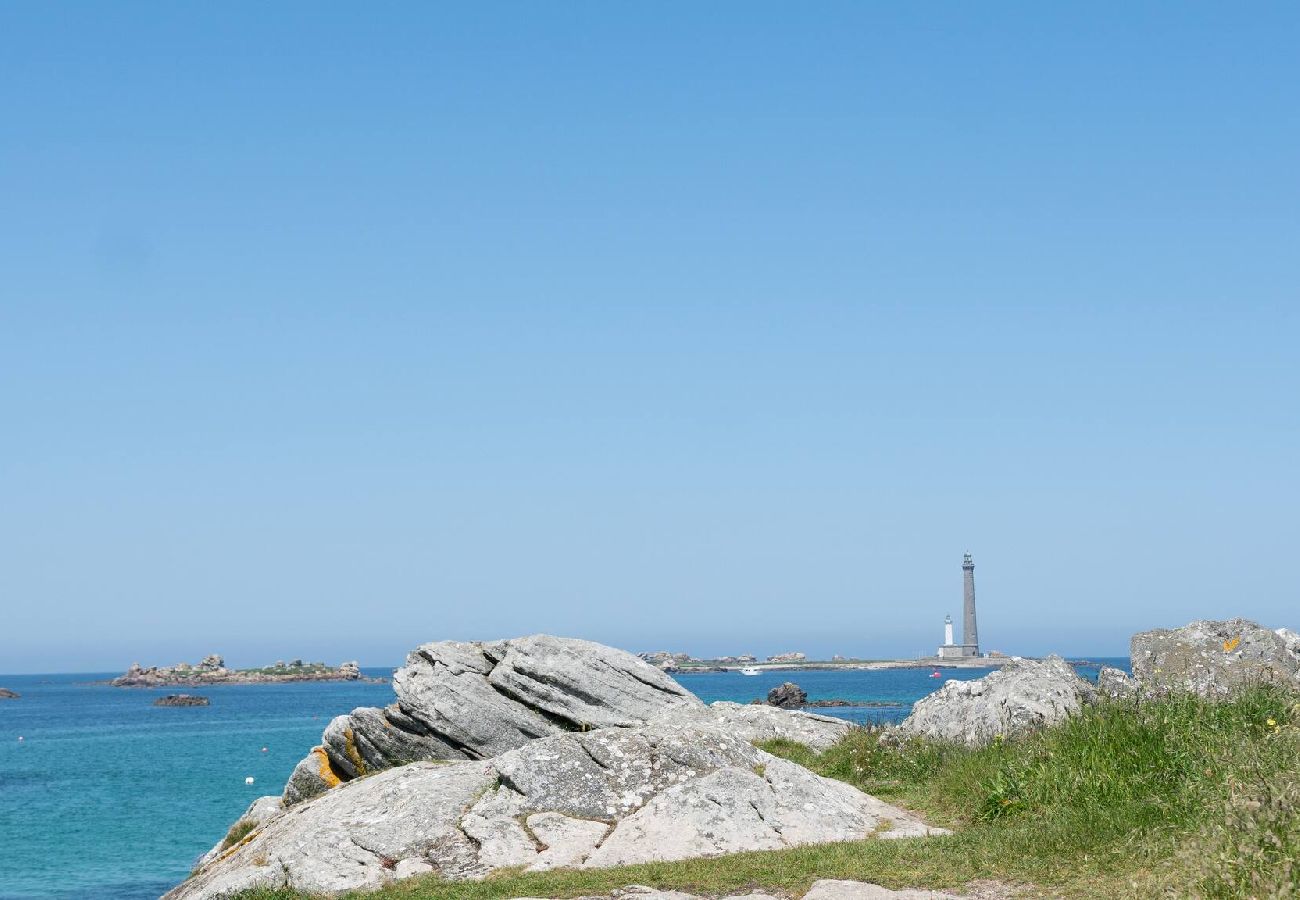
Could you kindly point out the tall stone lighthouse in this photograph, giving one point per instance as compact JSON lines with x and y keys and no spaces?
{"x":970,"y":636}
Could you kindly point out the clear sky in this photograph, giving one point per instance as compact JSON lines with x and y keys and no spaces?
{"x":717,"y":327}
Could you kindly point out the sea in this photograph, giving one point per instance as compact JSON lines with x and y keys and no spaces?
{"x":105,"y":796}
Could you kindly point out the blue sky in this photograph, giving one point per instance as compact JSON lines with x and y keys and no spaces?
{"x":325,"y":332}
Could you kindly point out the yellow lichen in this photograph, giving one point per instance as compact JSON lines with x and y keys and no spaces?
{"x":354,"y":755}
{"x":324,"y":769}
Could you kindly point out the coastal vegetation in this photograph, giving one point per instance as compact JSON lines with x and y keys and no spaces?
{"x":1175,"y":797}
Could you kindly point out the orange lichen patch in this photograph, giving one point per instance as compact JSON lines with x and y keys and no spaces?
{"x":324,"y":769}
{"x":1229,"y":646}
{"x":354,"y":755}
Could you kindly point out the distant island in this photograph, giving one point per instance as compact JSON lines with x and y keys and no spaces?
{"x":685,"y":663}
{"x":212,"y":670}
{"x":6,"y":694}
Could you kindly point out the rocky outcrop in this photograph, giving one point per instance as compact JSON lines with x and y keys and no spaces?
{"x":1212,"y":658}
{"x":6,"y":694}
{"x":212,"y":670}
{"x":458,"y":701}
{"x":787,"y":696}
{"x":1023,"y":695}
{"x":586,"y":799}
{"x":1115,"y":683}
{"x":182,"y":700}
{"x":756,"y":724}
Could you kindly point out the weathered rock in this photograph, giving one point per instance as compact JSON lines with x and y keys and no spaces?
{"x":787,"y":696}
{"x":599,"y":798}
{"x":1021,"y":696}
{"x":1291,"y":639}
{"x":6,"y":694}
{"x":761,"y":723}
{"x":478,"y":700}
{"x":182,"y":700}
{"x":1115,"y":683}
{"x":313,"y":775}
{"x":1211,"y":658}
{"x":258,"y":812}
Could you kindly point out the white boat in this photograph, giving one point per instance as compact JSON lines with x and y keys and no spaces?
{"x":749,"y":670}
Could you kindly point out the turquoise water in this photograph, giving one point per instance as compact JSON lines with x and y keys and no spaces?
{"x":109,"y":797}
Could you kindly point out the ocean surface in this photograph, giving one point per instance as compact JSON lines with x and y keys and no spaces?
{"x":109,"y":797}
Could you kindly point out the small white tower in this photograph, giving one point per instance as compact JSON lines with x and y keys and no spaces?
{"x":949,"y":650}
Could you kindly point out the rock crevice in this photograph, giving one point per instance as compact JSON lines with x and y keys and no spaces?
{"x":466,"y":701}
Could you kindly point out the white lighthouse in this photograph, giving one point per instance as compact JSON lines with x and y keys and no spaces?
{"x":949,"y":649}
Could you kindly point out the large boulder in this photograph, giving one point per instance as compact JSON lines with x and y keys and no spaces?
{"x":756,"y":724}
{"x":1212,"y":658}
{"x":787,"y":696}
{"x":588,"y":799}
{"x":6,"y":694}
{"x":1023,"y":695}
{"x":458,"y":701}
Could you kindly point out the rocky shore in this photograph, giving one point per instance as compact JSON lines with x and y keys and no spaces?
{"x":541,"y":752}
{"x":212,"y":670}
{"x":6,"y":694}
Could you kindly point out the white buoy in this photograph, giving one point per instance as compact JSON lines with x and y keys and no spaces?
{"x":20,"y":737}
{"x":248,"y":780}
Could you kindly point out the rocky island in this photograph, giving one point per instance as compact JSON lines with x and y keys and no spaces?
{"x":182,"y":700}
{"x":6,"y":694}
{"x":212,"y":670}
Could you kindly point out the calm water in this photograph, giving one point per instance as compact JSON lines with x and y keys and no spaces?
{"x":109,"y":797}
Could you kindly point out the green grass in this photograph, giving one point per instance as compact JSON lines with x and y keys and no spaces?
{"x":1176,"y":798}
{"x":240,"y":830}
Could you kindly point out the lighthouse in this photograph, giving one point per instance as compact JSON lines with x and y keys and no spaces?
{"x":949,"y":650}
{"x":970,"y":641}
{"x":970,"y":636}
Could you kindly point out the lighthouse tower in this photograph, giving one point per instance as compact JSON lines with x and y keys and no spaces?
{"x":970,"y":636}
{"x":949,"y":650}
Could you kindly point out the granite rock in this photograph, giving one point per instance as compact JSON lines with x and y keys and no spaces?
{"x":1212,"y":658}
{"x":258,"y":813}
{"x":458,"y":700}
{"x":1023,"y":695}
{"x":761,"y":723}
{"x":1115,"y":683}
{"x":787,"y":696}
{"x":588,"y":799}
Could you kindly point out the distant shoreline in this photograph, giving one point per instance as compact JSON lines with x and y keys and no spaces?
{"x":861,"y":665}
